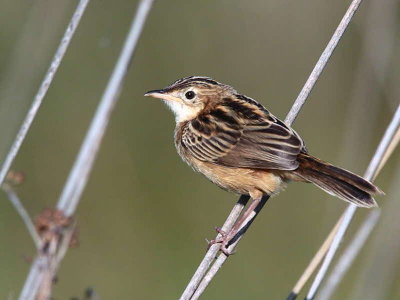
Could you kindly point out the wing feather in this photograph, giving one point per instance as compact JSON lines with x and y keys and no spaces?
{"x":238,"y":133}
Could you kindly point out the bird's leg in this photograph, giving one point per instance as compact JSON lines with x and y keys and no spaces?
{"x":219,"y":240}
{"x":241,"y":225}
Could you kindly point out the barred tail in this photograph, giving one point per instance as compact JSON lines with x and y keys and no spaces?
{"x":336,"y":181}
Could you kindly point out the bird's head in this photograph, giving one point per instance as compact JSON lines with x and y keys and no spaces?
{"x":189,"y":96}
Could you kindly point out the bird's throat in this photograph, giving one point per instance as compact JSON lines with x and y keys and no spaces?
{"x":181,"y":111}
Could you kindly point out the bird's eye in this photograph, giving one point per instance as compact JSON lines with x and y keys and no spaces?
{"x":190,"y":95}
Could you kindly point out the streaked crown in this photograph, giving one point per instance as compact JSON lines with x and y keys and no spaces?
{"x":188,"y":96}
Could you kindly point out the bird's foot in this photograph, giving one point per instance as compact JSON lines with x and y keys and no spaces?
{"x":223,"y":240}
{"x":219,"y":240}
{"x":220,"y":231}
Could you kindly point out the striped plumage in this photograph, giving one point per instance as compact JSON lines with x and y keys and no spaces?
{"x":239,"y":145}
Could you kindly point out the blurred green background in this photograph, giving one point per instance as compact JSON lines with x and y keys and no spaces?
{"x":144,"y":215}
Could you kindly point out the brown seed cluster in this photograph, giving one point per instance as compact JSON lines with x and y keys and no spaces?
{"x":15,"y":177}
{"x":50,"y":225}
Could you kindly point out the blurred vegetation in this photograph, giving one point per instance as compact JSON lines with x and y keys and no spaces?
{"x":144,"y":214}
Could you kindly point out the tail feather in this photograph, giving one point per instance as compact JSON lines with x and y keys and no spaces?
{"x":336,"y":181}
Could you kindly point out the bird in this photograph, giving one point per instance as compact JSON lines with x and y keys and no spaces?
{"x":243,"y":148}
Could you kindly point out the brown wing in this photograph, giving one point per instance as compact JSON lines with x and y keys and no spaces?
{"x":208,"y":138}
{"x":266,"y":144}
{"x":242,"y":134}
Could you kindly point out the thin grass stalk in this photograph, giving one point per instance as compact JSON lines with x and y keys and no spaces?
{"x":53,"y":263}
{"x":44,"y":87}
{"x":369,"y":68}
{"x":378,"y":273}
{"x":349,"y":254}
{"x":319,"y":256}
{"x":80,"y":172}
{"x":16,"y":202}
{"x":316,"y":260}
{"x":213,"y":250}
{"x":222,"y":257}
{"x":370,"y":174}
{"x":323,"y":60}
{"x":291,"y":116}
{"x":208,"y":277}
{"x":392,"y":146}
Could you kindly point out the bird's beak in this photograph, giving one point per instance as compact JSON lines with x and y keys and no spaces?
{"x":161,"y":94}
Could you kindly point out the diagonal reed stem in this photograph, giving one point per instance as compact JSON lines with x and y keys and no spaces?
{"x":318,"y":257}
{"x":320,"y":65}
{"x":316,"y":260}
{"x":44,"y":87}
{"x":222,"y":257}
{"x":350,"y":254}
{"x":371,"y":172}
{"x":378,"y":273}
{"x":213,"y":250}
{"x":359,"y":117}
{"x":80,"y":172}
{"x":291,"y":116}
{"x":16,"y":202}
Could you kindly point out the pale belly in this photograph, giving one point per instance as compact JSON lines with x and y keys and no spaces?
{"x":240,"y":180}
